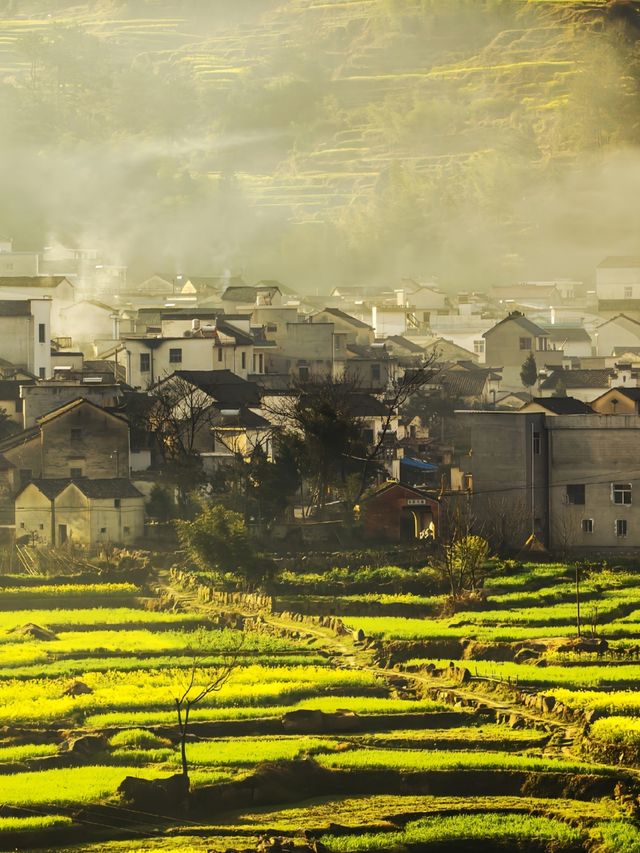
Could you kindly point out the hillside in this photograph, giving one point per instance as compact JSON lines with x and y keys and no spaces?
{"x":317,"y":141}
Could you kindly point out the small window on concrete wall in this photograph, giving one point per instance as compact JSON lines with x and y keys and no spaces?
{"x":621,"y":493}
{"x":621,"y":527}
{"x":587,"y":525}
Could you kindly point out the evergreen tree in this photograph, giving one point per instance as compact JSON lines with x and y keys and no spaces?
{"x":529,"y":371}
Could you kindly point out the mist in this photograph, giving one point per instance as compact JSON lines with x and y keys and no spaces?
{"x":472,"y":143}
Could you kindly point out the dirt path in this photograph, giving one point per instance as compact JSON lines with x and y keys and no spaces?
{"x":349,"y":654}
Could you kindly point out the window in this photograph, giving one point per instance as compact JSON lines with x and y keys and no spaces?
{"x":621,"y":493}
{"x":587,"y":525}
{"x":76,"y":435}
{"x":19,"y":405}
{"x":575,"y":494}
{"x":42,"y":372}
{"x":219,"y":353}
{"x":74,"y":473}
{"x":26,"y":475}
{"x":42,"y":527}
{"x":116,"y":503}
{"x":537,"y":444}
{"x":628,"y":293}
{"x":22,"y":525}
{"x":42,"y":333}
{"x":303,"y":373}
{"x":126,"y":529}
{"x":525,"y":343}
{"x":145,"y":362}
{"x":478,"y":347}
{"x":367,"y":436}
{"x":542,"y":344}
{"x":103,"y":530}
{"x":243,"y":360}
{"x":375,"y":372}
{"x":272,"y":327}
{"x":621,"y":527}
{"x":175,"y":355}
{"x":260,"y":363}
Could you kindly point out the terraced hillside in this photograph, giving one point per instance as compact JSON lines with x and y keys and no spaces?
{"x":376,"y":127}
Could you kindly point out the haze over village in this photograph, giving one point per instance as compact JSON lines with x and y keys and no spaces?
{"x":319,"y":406}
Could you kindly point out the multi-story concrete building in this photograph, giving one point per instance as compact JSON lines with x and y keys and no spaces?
{"x":566,"y":478}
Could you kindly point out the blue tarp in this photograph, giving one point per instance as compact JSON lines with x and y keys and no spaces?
{"x":418,"y":463}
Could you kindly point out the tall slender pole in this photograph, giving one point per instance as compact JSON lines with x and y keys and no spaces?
{"x":533,"y":492}
{"x":578,"y":624}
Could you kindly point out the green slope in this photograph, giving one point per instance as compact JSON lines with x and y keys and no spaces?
{"x":315,"y":140}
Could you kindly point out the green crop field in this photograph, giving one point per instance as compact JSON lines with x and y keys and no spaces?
{"x":131,"y":662}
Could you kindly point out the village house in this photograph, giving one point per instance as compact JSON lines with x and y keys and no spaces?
{"x":356,"y":331}
{"x":232,"y":422}
{"x":467,"y":382}
{"x":463,"y":330}
{"x":44,"y":396}
{"x":511,"y":341}
{"x":78,"y":439}
{"x":243,"y":297}
{"x":58,"y":290}
{"x":619,"y":400}
{"x":218,"y":346}
{"x":90,"y":513}
{"x":618,"y":285}
{"x":25,"y":335}
{"x":615,"y":334}
{"x":573,"y":341}
{"x":308,"y":351}
{"x":582,"y":384}
{"x":369,"y":367}
{"x":445,"y":351}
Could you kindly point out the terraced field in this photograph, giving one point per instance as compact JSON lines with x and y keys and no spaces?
{"x":310,"y":732}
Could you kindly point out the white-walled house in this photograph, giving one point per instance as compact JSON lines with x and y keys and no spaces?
{"x":58,"y":289}
{"x":25,"y":335}
{"x":618,"y":284}
{"x":218,"y":347}
{"x":616,"y":333}
{"x":83,"y":512}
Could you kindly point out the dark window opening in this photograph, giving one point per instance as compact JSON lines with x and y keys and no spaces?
{"x":537,"y":443}
{"x":175,"y":356}
{"x":576,"y":494}
{"x":42,"y":333}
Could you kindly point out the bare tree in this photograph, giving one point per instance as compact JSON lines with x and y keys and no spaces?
{"x":199,"y":681}
{"x":181,"y":413}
